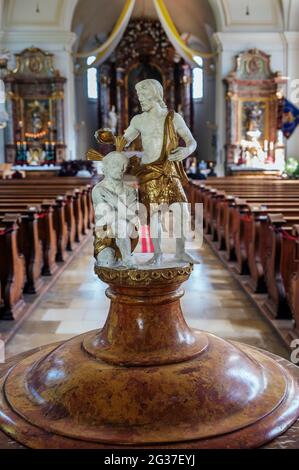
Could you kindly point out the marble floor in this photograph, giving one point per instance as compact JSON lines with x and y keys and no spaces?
{"x":213,"y":302}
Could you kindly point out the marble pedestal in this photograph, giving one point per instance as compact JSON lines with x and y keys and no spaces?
{"x":146,"y":380}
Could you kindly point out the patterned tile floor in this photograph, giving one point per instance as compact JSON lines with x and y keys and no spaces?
{"x":213,"y":302}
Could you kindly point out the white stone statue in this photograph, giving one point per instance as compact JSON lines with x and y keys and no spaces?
{"x":115,"y":204}
{"x":161,"y":174}
{"x":180,"y":110}
{"x":112,"y":120}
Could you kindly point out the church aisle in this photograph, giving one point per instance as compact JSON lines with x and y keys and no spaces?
{"x":213,"y":301}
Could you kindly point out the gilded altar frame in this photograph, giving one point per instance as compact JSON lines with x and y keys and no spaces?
{"x":252,"y":82}
{"x":151,"y":46}
{"x":37,"y":84}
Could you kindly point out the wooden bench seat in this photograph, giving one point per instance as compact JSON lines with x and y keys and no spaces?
{"x":78,"y":200}
{"x":253,"y":221}
{"x":82,"y":186}
{"x":12,"y":268}
{"x":40,"y":220}
{"x":58,"y":222}
{"x":29,"y":242}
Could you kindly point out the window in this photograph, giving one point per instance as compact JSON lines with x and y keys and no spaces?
{"x":197,"y":79}
{"x":92,"y":80}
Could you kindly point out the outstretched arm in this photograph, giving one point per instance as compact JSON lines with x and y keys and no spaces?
{"x":183,"y":131}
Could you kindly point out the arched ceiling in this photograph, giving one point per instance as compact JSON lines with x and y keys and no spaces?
{"x":291,"y":14}
{"x":198,"y":17}
{"x":23,"y":14}
{"x":249,"y":15}
{"x":95,"y":18}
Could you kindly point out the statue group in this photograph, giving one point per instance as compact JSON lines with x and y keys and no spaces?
{"x":146,"y":380}
{"x":161,"y":179}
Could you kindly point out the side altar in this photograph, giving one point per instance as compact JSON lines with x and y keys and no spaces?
{"x":146,"y":379}
{"x":254,"y":101}
{"x":35,"y":105}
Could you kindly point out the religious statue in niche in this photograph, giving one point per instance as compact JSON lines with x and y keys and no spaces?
{"x":160,"y":174}
{"x":112,"y":121}
{"x":36,"y":118}
{"x":36,"y":156}
{"x":253,"y":114}
{"x":253,"y":127}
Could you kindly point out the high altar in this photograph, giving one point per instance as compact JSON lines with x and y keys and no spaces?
{"x":254,"y":97}
{"x":144,"y":52}
{"x":35,"y":104}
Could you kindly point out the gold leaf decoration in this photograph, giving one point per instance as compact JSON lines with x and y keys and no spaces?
{"x":94,"y":155}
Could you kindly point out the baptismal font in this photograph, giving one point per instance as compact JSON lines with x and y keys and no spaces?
{"x":146,"y":380}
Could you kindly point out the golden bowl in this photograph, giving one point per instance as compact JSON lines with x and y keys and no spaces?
{"x":105,"y":136}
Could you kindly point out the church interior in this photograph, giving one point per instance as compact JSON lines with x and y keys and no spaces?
{"x":229,"y":77}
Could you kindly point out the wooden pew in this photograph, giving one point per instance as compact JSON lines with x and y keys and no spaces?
{"x":78,"y":215}
{"x":39,"y":222}
{"x":69,"y":210}
{"x":220,"y":215}
{"x":53,"y":213}
{"x":79,"y":184}
{"x":12,"y":268}
{"x":59,"y":220}
{"x":293,"y":284}
{"x":29,"y":243}
{"x":244,"y":218}
{"x":261,"y":249}
{"x":280,"y":263}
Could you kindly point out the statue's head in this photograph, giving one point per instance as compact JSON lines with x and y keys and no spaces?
{"x":115,"y":165}
{"x":150,"y":93}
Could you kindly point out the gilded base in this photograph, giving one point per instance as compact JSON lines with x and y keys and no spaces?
{"x":146,"y":380}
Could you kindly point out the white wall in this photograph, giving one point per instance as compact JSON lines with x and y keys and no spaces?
{"x":203,"y":118}
{"x":86,"y":115}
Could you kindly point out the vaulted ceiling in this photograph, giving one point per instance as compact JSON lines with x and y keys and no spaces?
{"x":198,"y":17}
{"x":190,"y":16}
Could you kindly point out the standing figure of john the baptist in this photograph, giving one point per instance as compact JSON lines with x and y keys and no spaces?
{"x":160,"y":170}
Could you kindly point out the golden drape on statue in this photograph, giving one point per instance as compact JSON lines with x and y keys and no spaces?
{"x":162,"y":181}
{"x":104,"y":238}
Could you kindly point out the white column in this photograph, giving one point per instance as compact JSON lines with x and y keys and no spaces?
{"x":60,"y":44}
{"x":2,"y":131}
{"x":2,"y":151}
{"x":220,"y":115}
